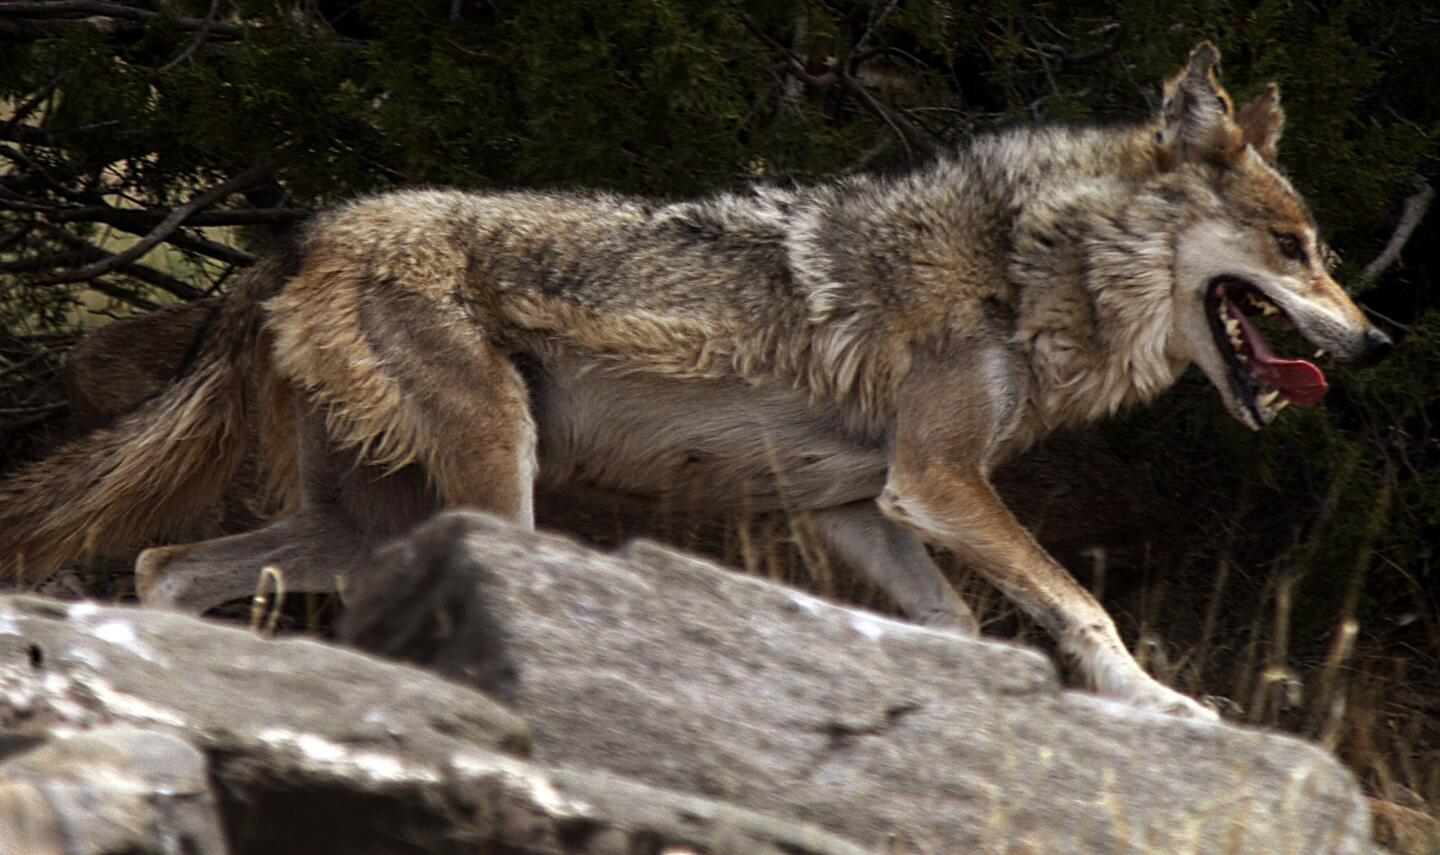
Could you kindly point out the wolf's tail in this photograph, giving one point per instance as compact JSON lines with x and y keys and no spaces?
{"x":153,"y":472}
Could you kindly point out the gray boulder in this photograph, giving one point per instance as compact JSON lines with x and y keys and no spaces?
{"x":671,"y":671}
{"x":312,"y":749}
{"x":109,"y":791}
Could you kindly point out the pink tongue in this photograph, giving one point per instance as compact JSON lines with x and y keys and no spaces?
{"x":1298,"y":380}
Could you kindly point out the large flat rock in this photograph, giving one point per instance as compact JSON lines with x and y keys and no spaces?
{"x":108,"y":791}
{"x":312,"y":749}
{"x":80,"y":664}
{"x":668,"y":670}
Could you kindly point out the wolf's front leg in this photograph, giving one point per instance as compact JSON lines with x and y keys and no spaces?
{"x":895,"y":559}
{"x":962,"y":512}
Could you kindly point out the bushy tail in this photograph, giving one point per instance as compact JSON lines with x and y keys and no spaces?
{"x":153,"y":472}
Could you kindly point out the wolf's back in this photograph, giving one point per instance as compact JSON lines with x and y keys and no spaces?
{"x":152,"y":473}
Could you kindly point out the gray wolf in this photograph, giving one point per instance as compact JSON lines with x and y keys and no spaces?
{"x":1085,"y":503}
{"x":866,"y":350}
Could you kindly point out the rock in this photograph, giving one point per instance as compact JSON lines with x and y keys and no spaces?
{"x":317,"y":749}
{"x":78,"y":664}
{"x":670,"y":671}
{"x":411,"y":608}
{"x":119,"y":790}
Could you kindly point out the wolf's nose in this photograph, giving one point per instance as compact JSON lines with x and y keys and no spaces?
{"x":1377,"y":347}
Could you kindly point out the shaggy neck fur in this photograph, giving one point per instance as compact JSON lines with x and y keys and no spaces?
{"x":1058,"y":240}
{"x":1094,"y":271}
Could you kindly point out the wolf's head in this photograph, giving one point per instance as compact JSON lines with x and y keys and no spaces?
{"x":1251,"y":250}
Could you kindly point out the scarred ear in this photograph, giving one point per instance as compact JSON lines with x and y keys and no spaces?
{"x":1197,"y":121}
{"x":1262,"y":120}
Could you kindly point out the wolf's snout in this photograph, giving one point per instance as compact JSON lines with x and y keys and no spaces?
{"x":1377,"y":346}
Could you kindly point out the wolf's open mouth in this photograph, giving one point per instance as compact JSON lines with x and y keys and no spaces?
{"x":1265,"y":382}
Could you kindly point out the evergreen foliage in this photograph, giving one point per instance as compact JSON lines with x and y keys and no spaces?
{"x":138,"y":106}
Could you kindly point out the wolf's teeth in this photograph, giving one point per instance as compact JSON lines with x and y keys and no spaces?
{"x":1281,"y":404}
{"x":1232,"y":329}
{"x":1319,"y":353}
{"x":1268,"y":309}
{"x":1268,"y":399}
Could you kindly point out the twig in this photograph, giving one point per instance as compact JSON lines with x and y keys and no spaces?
{"x":16,"y":236}
{"x":123,"y":295}
{"x":877,"y":20}
{"x":32,"y":420}
{"x":790,"y":87}
{"x":201,"y":246}
{"x":1386,"y":318}
{"x":1416,"y":204}
{"x":910,"y":136}
{"x":24,"y":363}
{"x":24,"y":110}
{"x":26,"y":134}
{"x":167,"y":226}
{"x":205,"y":27}
{"x":99,"y":8}
{"x":142,"y":272}
{"x":39,"y":408}
{"x":127,"y":219}
{"x":1117,"y":31}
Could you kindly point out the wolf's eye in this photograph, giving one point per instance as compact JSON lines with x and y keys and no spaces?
{"x":1289,"y":246}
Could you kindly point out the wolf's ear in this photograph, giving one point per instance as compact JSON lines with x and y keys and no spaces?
{"x":1197,"y":121}
{"x":1262,"y":120}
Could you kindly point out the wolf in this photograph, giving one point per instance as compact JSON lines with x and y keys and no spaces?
{"x":866,"y":350}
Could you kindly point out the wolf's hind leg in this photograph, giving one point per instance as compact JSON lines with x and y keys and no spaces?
{"x":894,"y":558}
{"x":347,"y":509}
{"x":415,"y":378}
{"x":307,"y":551}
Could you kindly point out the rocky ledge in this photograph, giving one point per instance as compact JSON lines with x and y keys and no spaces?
{"x":524,"y":694}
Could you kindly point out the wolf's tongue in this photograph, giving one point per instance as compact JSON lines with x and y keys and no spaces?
{"x":1299,"y":381}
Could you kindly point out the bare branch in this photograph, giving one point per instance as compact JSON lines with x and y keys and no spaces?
{"x":34,"y":29}
{"x":877,"y":20}
{"x":24,"y":110}
{"x":38,"y":408}
{"x":1415,"y":207}
{"x":206,"y":25}
{"x":201,"y":246}
{"x":144,"y":273}
{"x":167,"y":226}
{"x":27,"y":134}
{"x":33,"y":264}
{"x":130,"y":219}
{"x":910,"y":136}
{"x":1115,"y":33}
{"x":790,"y":88}
{"x":122,"y":294}
{"x":140,"y":222}
{"x":51,"y":9}
{"x":22,"y":364}
{"x":795,"y":65}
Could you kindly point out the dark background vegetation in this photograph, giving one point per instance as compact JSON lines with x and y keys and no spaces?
{"x":1304,"y":587}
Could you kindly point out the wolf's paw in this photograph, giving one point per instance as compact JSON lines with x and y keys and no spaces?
{"x":1158,"y":698}
{"x":160,"y":585}
{"x":961,"y":621}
